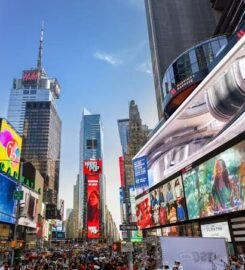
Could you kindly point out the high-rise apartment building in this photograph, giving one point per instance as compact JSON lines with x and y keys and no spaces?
{"x":41,"y":144}
{"x":35,"y":85}
{"x":173,"y":27}
{"x":92,"y":196}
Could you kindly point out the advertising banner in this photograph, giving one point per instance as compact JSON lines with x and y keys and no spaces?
{"x":140,"y":172}
{"x":121,"y":167}
{"x":10,"y":149}
{"x":217,"y":186}
{"x":92,"y":167}
{"x":195,"y":253}
{"x":7,"y":202}
{"x":143,"y":212}
{"x":28,"y":208}
{"x":218,"y":230}
{"x":167,"y":203}
{"x":93,"y":206}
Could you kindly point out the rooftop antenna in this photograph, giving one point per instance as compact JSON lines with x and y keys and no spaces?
{"x":40,"y":50}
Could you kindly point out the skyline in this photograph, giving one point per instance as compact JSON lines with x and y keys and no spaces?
{"x":92,"y":57}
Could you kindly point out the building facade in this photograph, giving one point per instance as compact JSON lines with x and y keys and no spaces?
{"x":92,"y":214}
{"x":41,"y":144}
{"x":173,"y":27}
{"x":35,"y":85}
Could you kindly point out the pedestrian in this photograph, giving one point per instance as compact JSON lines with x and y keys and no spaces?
{"x":179,"y":265}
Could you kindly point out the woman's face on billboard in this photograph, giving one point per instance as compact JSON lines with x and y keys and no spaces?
{"x":93,"y":199}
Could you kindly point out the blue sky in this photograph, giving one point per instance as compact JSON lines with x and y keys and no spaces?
{"x":99,"y":52}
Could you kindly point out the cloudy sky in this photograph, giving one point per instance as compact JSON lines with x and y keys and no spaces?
{"x":99,"y":51}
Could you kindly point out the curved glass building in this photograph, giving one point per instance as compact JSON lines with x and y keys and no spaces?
{"x":187,"y":71}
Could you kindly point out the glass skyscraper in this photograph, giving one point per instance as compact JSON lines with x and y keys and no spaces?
{"x":91,"y":149}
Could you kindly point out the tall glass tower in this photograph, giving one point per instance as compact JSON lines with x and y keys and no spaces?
{"x":35,"y":85}
{"x":91,"y":175}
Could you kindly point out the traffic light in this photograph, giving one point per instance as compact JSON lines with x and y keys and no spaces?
{"x":116,"y":247}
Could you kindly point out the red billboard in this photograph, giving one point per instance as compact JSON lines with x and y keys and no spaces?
{"x":92,"y":167}
{"x":30,"y":76}
{"x":121,"y":167}
{"x":93,"y":206}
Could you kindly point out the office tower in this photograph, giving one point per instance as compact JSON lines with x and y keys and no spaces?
{"x":35,"y":85}
{"x":92,"y":200}
{"x":123,"y":125}
{"x":173,"y":27}
{"x":133,"y":136}
{"x":41,"y":144}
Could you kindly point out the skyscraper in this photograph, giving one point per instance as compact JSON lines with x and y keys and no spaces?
{"x":35,"y":85}
{"x":123,"y":125}
{"x":32,"y":111}
{"x":173,"y":27}
{"x":92,"y":200}
{"x":41,"y":144}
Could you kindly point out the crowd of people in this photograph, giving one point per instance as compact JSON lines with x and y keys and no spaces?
{"x":90,"y":258}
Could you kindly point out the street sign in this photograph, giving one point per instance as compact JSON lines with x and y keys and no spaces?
{"x":128,"y":227}
{"x":18,"y":195}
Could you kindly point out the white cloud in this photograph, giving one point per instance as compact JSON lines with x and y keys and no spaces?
{"x":145,"y":68}
{"x":108,"y":58}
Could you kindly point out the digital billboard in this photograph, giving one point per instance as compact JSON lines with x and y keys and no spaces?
{"x":217,"y":230}
{"x":7,"y":202}
{"x":217,"y":186}
{"x":167,"y":203}
{"x":92,"y":167}
{"x":143,"y":212}
{"x":93,"y":206}
{"x":10,"y":149}
{"x":140,"y":172}
{"x":28,"y":208}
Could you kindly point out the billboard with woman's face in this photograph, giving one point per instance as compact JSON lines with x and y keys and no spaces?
{"x":143,"y":212}
{"x":93,"y":206}
{"x":217,"y":186}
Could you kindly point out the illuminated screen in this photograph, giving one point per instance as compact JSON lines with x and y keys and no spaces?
{"x":167,"y":203}
{"x":10,"y":149}
{"x":143,"y":212}
{"x":217,"y":186}
{"x":7,"y":202}
{"x":217,"y":230}
{"x":29,"y":208}
{"x":93,"y":206}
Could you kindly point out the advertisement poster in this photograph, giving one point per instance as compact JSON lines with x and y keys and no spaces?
{"x":7,"y":202}
{"x":218,"y":230}
{"x":93,"y":206}
{"x":10,"y":149}
{"x":140,"y":172}
{"x":92,"y":167}
{"x":167,"y":203}
{"x":143,"y":212}
{"x":217,"y":186}
{"x":28,"y":208}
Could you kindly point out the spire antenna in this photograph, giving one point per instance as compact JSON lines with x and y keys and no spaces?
{"x":40,"y":50}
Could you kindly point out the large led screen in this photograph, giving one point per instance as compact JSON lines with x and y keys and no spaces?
{"x":10,"y":149}
{"x":93,"y":206}
{"x":167,"y":203}
{"x":217,"y":186}
{"x":143,"y":212}
{"x":28,"y":208}
{"x":7,"y":202}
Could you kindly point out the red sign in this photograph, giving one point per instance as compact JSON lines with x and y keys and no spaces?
{"x":30,"y":76}
{"x":92,"y":167}
{"x":93,"y":206}
{"x":121,"y":167}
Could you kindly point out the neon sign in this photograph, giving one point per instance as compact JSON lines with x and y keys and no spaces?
{"x":92,"y":167}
